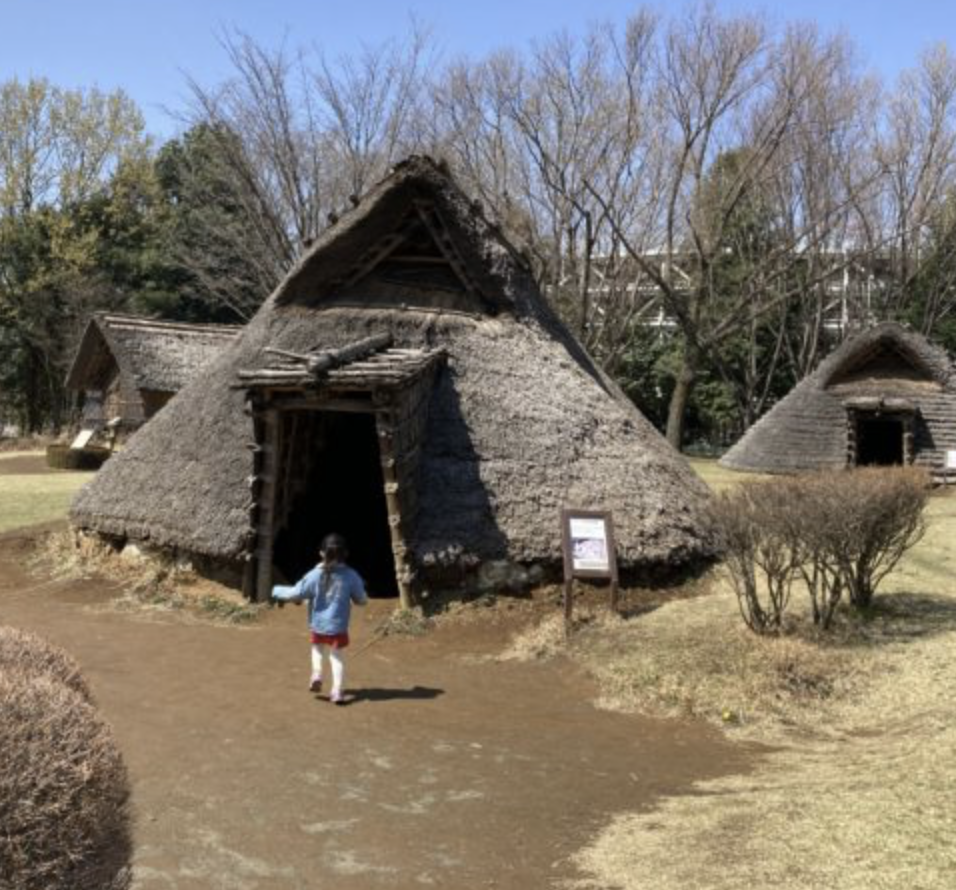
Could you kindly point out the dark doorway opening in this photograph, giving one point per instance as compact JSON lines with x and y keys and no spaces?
{"x":879,"y":442}
{"x":330,"y":480}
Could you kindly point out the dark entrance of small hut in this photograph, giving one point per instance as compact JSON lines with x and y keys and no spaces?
{"x":338,"y":437}
{"x":331,"y":481}
{"x":880,"y":437}
{"x":879,"y":442}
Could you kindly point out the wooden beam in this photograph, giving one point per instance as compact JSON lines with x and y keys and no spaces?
{"x":351,"y":406}
{"x":325,"y":361}
{"x":428,"y":215}
{"x":371,"y":259}
{"x":423,"y":260}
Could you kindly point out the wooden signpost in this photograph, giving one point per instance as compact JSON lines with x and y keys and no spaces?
{"x":949,"y":468}
{"x":589,"y":552}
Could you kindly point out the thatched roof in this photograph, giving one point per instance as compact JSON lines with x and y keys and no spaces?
{"x":521,"y":422}
{"x":162,"y":356}
{"x":884,"y":368}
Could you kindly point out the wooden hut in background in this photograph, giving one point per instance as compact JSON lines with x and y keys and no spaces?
{"x":885,"y":396}
{"x":127,"y":367}
{"x":407,"y":386}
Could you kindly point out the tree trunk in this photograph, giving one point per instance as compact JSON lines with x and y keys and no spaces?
{"x":683,"y":386}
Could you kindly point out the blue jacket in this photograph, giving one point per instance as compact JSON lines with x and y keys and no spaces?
{"x":329,"y":611}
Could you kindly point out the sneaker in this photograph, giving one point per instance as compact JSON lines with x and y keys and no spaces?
{"x":337,"y":698}
{"x":315,"y":684}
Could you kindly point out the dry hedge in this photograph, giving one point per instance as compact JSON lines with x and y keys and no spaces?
{"x":839,"y":533}
{"x":31,"y":656}
{"x":64,"y":791}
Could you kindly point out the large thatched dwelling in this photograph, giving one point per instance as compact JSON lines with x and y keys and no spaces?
{"x":885,"y":396}
{"x":407,"y":386}
{"x":127,"y":367}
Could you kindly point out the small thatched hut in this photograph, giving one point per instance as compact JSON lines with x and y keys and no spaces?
{"x":127,"y":367}
{"x":407,"y":386}
{"x":885,"y":396}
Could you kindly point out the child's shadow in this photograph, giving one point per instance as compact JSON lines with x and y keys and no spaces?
{"x":416,"y":692}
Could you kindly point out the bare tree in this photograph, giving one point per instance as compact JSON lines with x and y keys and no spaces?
{"x":726,"y":177}
{"x":296,"y":135}
{"x":916,"y":150}
{"x":530,"y":134}
{"x":736,"y":106}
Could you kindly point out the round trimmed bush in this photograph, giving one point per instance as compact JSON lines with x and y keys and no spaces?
{"x":27,"y":654}
{"x":64,"y":791}
{"x":62,"y":457}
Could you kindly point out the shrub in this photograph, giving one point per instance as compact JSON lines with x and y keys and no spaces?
{"x":753,"y":531}
{"x":816,"y":531}
{"x":883,"y":516}
{"x":31,"y":656}
{"x":63,"y":790}
{"x":837,"y":532}
{"x":62,"y":457}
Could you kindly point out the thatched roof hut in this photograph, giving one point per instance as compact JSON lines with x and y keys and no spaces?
{"x":885,"y":396}
{"x":128,"y":367}
{"x":407,"y":386}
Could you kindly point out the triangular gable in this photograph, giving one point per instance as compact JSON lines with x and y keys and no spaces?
{"x":884,"y":360}
{"x":95,"y":361}
{"x":414,"y":242}
{"x":415,"y":265}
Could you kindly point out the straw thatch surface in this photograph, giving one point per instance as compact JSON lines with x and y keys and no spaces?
{"x":520,"y":422}
{"x":144,"y":354}
{"x":807,"y":430}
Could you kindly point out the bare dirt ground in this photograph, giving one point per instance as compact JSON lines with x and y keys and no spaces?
{"x":449,"y":769}
{"x":24,"y":465}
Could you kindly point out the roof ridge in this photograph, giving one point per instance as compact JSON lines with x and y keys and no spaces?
{"x":119,"y":319}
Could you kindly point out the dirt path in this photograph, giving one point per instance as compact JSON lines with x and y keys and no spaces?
{"x":448,"y":770}
{"x":24,"y":465}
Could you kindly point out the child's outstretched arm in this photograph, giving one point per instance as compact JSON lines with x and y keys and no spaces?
{"x":357,"y":593}
{"x":303,"y":590}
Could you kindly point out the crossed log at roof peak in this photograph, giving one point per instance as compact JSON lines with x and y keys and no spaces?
{"x":319,"y":362}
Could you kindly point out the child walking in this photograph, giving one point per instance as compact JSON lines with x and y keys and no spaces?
{"x":330,"y":589}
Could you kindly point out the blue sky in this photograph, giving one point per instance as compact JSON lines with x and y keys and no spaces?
{"x":145,"y":46}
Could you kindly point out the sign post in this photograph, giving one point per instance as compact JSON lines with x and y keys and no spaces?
{"x":589,"y":552}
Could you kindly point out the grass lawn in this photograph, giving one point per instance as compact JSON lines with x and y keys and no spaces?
{"x":36,"y":498}
{"x":718,"y":477}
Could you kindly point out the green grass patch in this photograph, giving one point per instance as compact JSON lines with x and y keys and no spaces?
{"x":718,"y":477}
{"x":37,"y":498}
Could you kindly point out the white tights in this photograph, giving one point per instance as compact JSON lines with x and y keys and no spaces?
{"x":335,"y":659}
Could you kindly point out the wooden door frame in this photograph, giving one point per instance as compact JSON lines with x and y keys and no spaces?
{"x":906,"y":419}
{"x":264,"y":486}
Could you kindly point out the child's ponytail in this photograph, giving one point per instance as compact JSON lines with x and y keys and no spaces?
{"x":334,"y":550}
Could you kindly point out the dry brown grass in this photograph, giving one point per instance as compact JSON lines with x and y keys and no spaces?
{"x":151,"y":583}
{"x":858,"y":791}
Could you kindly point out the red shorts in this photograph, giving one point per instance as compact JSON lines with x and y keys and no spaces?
{"x":336,"y":641}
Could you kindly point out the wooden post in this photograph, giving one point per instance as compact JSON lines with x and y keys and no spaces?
{"x":851,"y":422}
{"x":384,"y":426}
{"x":909,"y":438}
{"x":568,"y":605}
{"x":267,"y":504}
